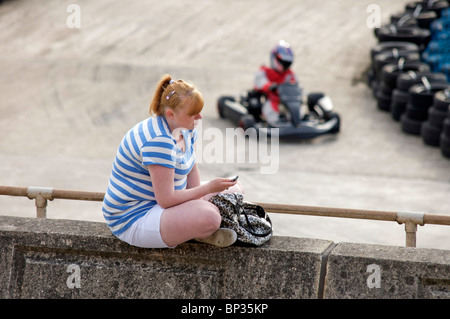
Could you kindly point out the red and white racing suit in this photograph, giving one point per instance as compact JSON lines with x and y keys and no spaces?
{"x":264,"y":79}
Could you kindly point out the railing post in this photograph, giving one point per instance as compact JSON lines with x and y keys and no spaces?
{"x":41,"y":207}
{"x":411,"y":230}
{"x":40,"y":195}
{"x":411,"y":220}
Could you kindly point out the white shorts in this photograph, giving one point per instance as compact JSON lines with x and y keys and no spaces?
{"x":145,"y":232}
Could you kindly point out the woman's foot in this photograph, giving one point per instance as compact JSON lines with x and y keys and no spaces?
{"x":223,"y":237}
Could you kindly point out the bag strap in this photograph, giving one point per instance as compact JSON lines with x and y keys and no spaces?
{"x":252,"y":230}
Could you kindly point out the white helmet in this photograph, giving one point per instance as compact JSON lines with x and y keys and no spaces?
{"x":281,"y":57}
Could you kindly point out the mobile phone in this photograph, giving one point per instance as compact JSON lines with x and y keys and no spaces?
{"x":234,"y":178}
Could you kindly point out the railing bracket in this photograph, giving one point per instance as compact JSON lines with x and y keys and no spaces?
{"x":40,"y":195}
{"x":411,"y":220}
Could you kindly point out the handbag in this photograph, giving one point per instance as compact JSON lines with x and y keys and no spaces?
{"x":250,"y":221}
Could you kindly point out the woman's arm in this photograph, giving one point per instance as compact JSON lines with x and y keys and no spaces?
{"x":166,"y":196}
{"x":193,"y":178}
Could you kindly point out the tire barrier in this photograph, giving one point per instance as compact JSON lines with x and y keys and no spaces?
{"x":410,"y":71}
{"x":420,"y":100}
{"x":445,"y":135}
{"x":432,"y":128}
{"x":405,"y":80}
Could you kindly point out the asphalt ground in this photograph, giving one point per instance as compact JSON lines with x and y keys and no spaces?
{"x":68,"y":95}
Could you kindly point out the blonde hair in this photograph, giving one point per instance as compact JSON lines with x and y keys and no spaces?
{"x":172,"y":94}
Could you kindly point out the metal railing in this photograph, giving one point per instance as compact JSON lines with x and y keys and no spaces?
{"x":43,"y":194}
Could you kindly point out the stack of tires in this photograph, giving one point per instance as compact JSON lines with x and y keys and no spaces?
{"x":421,"y":97}
{"x":445,"y":135}
{"x":385,"y":53}
{"x":433,"y":129}
{"x":405,"y":80}
{"x":389,"y":75}
{"x":409,"y":73}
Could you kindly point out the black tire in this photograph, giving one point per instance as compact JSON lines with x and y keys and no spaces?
{"x":221,"y":104}
{"x":397,"y":109}
{"x":383,"y":101}
{"x":383,"y":88}
{"x":408,"y":79}
{"x":400,"y":96}
{"x":445,"y":145}
{"x":435,"y":6}
{"x":374,"y":86}
{"x":436,"y":116}
{"x":415,"y":113}
{"x":410,"y":126}
{"x":441,"y":101}
{"x":446,"y":127}
{"x":312,"y":100}
{"x":419,"y":36}
{"x":389,"y":57}
{"x":411,"y":22}
{"x":389,"y":45}
{"x":420,"y":96}
{"x":337,"y":128}
{"x":398,"y":103}
{"x":423,"y":20}
{"x":390,"y":72}
{"x":246,"y":121}
{"x":430,"y":134}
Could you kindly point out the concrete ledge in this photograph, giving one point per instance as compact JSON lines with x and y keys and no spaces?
{"x":43,"y":258}
{"x":375,"y":271}
{"x":49,"y":258}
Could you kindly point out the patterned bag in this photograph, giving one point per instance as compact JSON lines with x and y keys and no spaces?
{"x":250,"y":221}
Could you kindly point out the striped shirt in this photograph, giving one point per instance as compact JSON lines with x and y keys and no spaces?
{"x":130,"y":191}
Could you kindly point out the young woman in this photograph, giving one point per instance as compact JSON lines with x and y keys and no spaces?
{"x":155,"y":198}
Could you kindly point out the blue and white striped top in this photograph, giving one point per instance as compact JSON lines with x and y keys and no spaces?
{"x":130,"y":191}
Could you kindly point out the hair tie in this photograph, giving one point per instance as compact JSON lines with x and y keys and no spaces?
{"x":168,"y":96}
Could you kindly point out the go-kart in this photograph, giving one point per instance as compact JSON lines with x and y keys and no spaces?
{"x":245,"y":112}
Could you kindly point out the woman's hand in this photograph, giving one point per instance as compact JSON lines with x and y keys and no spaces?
{"x":166,"y":196}
{"x":219,"y":184}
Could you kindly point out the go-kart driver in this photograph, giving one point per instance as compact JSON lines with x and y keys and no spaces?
{"x":267,"y":80}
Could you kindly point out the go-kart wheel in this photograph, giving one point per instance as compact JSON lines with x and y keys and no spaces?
{"x":246,"y":122}
{"x":311,"y":101}
{"x":221,"y":104}
{"x":337,"y":128}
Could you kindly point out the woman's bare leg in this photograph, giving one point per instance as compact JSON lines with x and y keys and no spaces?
{"x":192,"y":219}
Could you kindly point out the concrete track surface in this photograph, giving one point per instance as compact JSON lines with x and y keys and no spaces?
{"x":68,"y":95}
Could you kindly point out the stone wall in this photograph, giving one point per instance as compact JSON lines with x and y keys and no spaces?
{"x":49,"y":258}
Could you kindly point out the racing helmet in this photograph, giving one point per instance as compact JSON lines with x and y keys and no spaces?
{"x":281,"y":57}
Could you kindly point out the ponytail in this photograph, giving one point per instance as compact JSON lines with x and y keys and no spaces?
{"x":155,"y":106}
